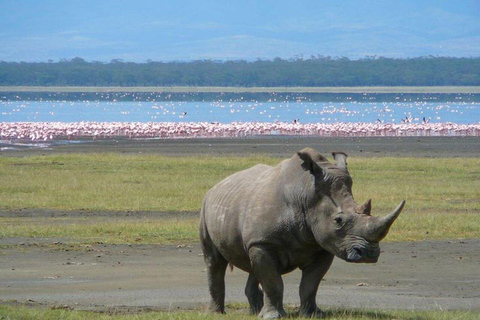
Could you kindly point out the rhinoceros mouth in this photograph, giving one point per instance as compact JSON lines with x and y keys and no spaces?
{"x":357,"y":255}
{"x":362,"y":251}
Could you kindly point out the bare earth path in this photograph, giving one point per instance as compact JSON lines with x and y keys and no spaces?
{"x":422,"y":275}
{"x":425,"y":275}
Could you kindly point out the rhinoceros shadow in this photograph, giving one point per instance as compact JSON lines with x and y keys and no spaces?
{"x":340,"y":313}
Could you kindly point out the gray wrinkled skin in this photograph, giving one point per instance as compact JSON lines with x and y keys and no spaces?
{"x":269,"y":221}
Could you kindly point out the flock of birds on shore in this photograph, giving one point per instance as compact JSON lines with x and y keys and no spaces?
{"x":21,"y":130}
{"x":47,"y":131}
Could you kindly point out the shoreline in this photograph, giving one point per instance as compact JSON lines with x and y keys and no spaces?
{"x":182,"y":89}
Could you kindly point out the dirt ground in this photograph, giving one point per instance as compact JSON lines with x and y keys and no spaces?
{"x":423,"y":275}
{"x":427,"y":275}
{"x":276,"y":146}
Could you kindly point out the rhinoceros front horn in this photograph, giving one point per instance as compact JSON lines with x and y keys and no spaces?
{"x":380,"y":228}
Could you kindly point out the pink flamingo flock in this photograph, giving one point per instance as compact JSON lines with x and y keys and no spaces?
{"x":45,"y":131}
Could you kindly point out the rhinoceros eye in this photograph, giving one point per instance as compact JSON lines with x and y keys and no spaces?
{"x":338,"y":220}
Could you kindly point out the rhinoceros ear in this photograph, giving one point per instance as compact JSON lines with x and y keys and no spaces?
{"x":309,"y":164}
{"x":340,"y":160}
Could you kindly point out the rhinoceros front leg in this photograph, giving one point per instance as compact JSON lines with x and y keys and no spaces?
{"x":267,"y":271}
{"x":254,"y":294}
{"x":311,"y":278}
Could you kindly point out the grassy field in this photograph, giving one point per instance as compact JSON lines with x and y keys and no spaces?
{"x":443,"y":195}
{"x":442,"y":89}
{"x":113,"y":182}
{"x":104,"y":230}
{"x":8,"y":312}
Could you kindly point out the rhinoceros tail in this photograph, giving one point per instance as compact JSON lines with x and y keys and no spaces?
{"x":203,"y":233}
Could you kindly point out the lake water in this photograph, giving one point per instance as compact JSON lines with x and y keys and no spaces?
{"x":461,"y":109}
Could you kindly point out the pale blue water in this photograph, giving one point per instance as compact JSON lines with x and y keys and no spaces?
{"x":227,"y":112}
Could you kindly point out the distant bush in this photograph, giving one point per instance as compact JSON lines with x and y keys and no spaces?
{"x":316,"y":71}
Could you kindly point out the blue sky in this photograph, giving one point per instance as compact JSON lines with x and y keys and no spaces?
{"x":39,"y":30}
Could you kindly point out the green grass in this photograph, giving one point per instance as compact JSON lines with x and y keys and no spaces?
{"x":104,"y":230}
{"x":443,"y":195}
{"x":380,"y":89}
{"x":16,"y":312}
{"x":112,"y":182}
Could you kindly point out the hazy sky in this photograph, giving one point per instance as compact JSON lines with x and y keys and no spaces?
{"x":39,"y":30}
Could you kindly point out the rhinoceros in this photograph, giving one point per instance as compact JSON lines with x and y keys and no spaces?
{"x":268,"y":221}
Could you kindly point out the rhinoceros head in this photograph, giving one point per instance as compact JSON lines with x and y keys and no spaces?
{"x":338,"y":223}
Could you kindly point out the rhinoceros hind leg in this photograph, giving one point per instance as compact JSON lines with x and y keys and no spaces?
{"x":216,"y":267}
{"x":216,"y":283}
{"x":266,"y":270}
{"x":254,"y":295}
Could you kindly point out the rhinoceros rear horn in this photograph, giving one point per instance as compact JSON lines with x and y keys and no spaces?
{"x":380,"y":228}
{"x":365,"y":208}
{"x":340,"y":160}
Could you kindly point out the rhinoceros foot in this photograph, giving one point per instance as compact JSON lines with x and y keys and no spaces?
{"x":311,"y":313}
{"x":272,"y":314}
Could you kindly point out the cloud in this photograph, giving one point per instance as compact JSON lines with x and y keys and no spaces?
{"x":207,"y":25}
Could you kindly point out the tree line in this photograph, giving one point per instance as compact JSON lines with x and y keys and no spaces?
{"x":316,"y":71}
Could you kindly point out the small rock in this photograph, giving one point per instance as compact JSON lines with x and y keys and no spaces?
{"x":62,"y":307}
